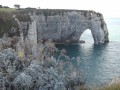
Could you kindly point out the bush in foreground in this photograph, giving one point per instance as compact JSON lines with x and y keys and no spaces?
{"x":45,"y":74}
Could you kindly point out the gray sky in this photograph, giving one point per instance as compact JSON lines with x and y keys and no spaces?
{"x":109,"y":8}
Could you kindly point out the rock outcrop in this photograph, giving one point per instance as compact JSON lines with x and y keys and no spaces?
{"x":69,"y":26}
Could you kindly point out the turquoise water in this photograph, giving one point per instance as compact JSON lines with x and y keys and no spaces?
{"x":114,"y":29}
{"x":99,"y":63}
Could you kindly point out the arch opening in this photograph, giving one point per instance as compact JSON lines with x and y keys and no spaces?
{"x":87,"y":36}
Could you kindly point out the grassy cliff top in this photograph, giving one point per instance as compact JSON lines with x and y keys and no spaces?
{"x":7,"y":22}
{"x":7,"y":10}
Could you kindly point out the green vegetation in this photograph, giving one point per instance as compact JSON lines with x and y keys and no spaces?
{"x":7,"y":10}
{"x":20,"y":14}
{"x":115,"y":86}
{"x":7,"y":22}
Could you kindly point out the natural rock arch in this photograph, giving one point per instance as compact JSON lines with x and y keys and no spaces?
{"x":96,"y":31}
{"x":69,"y":26}
{"x":86,"y":37}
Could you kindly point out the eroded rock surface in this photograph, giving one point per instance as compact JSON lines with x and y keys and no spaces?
{"x":68,"y":27}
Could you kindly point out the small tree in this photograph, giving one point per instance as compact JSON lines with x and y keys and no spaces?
{"x":17,"y":6}
{"x":0,"y":6}
{"x":5,"y":7}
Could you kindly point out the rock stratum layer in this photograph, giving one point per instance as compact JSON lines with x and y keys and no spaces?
{"x":69,"y":26}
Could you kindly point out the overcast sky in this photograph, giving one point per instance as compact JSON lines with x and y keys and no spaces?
{"x":109,"y":8}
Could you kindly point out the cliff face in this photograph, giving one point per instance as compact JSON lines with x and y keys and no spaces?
{"x":63,"y":26}
{"x":59,"y":25}
{"x":69,"y":26}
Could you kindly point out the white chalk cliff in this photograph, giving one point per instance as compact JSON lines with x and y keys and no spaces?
{"x":69,"y":26}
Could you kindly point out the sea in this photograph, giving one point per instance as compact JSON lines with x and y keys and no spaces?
{"x":99,"y":64}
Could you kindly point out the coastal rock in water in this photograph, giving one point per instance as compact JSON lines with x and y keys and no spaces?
{"x":69,"y":26}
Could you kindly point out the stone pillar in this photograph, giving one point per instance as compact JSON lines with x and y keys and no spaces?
{"x":32,"y":36}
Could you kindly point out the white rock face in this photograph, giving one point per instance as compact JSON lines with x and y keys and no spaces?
{"x":67,"y":27}
{"x":70,"y":26}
